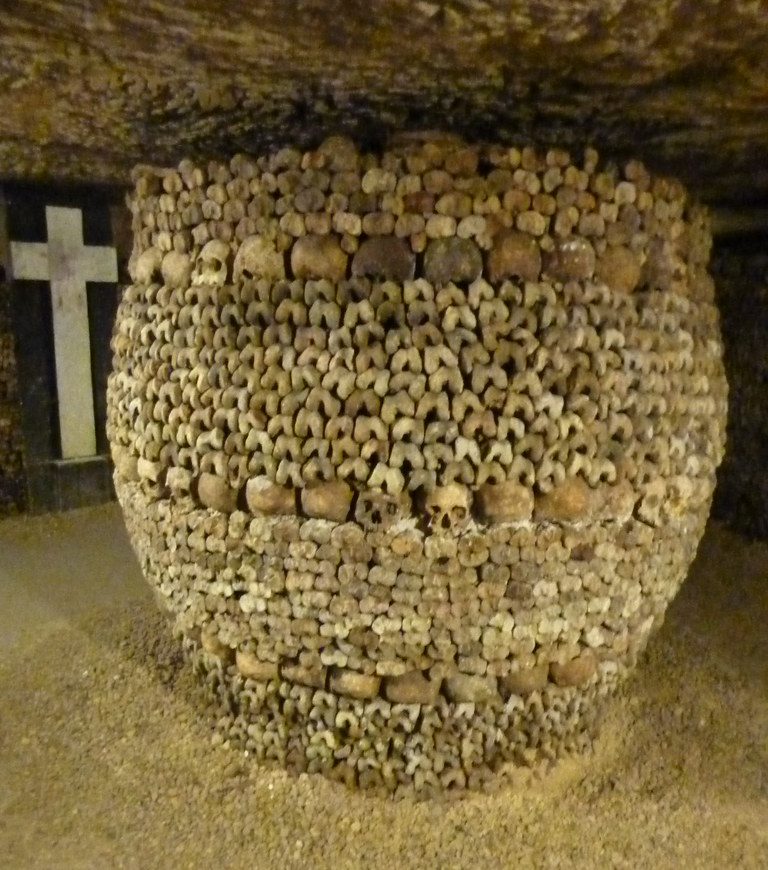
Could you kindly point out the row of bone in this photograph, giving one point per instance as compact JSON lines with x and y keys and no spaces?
{"x":641,"y":465}
{"x":493,"y":319}
{"x":499,"y":497}
{"x":445,"y":260}
{"x":249,"y":614}
{"x":450,"y":621}
{"x":281,"y":554}
{"x":419,"y":330}
{"x":358,"y":289}
{"x":304,"y":448}
{"x":620,"y":198}
{"x":512,"y":254}
{"x":171,"y":402}
{"x":458,"y":258}
{"x":515,"y":333}
{"x":507,"y":341}
{"x":313,"y":194}
{"x":267,"y":667}
{"x":378,"y":744}
{"x":448,"y":509}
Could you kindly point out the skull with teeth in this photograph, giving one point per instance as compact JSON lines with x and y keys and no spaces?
{"x":448,"y":508}
{"x":211,"y":265}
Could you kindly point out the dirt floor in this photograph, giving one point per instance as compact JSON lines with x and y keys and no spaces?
{"x":107,"y":759}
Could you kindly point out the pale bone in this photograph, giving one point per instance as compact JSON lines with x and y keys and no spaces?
{"x":446,"y":378}
{"x":340,"y":381}
{"x":147,"y":266}
{"x":329,"y":500}
{"x":211,"y":265}
{"x":308,"y":421}
{"x":321,"y":289}
{"x":317,"y":469}
{"x":380,"y":510}
{"x":179,"y":480}
{"x":438,"y":404}
{"x":403,"y":452}
{"x":288,"y":472}
{"x":387,"y":478}
{"x":176,"y":269}
{"x":318,"y":257}
{"x":395,"y":406}
{"x":257,"y":257}
{"x":369,"y":427}
{"x":354,"y":469}
{"x":215,"y":492}
{"x":289,"y":311}
{"x":407,"y":359}
{"x":343,"y":448}
{"x":448,"y":508}
{"x":339,"y":426}
{"x":492,"y":473}
{"x":409,"y":429}
{"x":375,"y":450}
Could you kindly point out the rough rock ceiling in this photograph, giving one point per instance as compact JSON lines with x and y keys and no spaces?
{"x":87,"y":89}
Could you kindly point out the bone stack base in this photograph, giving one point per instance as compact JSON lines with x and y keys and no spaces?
{"x":415,"y":447}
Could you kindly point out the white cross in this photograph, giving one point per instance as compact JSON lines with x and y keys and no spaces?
{"x":67,"y":264}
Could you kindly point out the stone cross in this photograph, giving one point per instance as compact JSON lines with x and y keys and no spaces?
{"x":68,"y":264}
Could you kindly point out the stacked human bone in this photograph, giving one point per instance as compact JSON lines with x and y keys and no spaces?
{"x":415,"y":446}
{"x":11,"y":467}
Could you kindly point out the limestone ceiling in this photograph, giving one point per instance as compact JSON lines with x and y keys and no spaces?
{"x":87,"y":89}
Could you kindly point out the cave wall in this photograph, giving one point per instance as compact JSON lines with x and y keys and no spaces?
{"x":87,"y":90}
{"x":12,"y":479}
{"x":29,"y":402}
{"x":741,"y":498}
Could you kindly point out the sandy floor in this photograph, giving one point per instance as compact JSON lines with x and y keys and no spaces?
{"x":106,"y":759}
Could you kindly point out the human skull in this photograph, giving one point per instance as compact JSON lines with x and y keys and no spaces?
{"x":376,"y":510}
{"x":211,"y":264}
{"x":176,"y":269}
{"x":257,"y":257}
{"x":652,"y":502}
{"x":448,"y":508}
{"x":146,"y":269}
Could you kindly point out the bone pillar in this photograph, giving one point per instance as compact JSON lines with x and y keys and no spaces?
{"x":416,"y":447}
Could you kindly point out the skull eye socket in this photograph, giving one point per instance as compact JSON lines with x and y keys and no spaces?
{"x":459,"y":512}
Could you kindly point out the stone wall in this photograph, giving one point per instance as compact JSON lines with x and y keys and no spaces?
{"x":51,"y":482}
{"x":11,"y":454}
{"x":153,"y":79}
{"x":741,"y":498}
